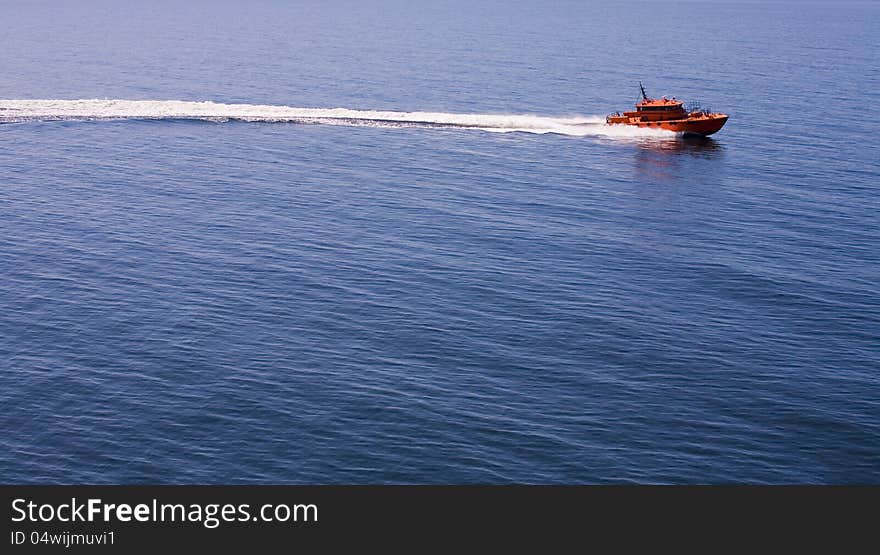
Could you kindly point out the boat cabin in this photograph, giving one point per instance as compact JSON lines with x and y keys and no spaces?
{"x":650,"y":110}
{"x":658,"y":109}
{"x":659,"y":105}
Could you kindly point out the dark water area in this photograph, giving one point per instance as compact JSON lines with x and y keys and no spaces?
{"x":256,"y":302}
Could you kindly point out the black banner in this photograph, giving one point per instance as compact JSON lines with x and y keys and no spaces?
{"x":327,"y":518}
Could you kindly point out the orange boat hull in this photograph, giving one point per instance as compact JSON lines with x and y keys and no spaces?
{"x":700,"y":125}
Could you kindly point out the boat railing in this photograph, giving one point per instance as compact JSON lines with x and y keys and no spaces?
{"x":696,"y":108}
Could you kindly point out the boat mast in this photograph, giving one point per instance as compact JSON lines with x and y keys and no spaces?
{"x":644,"y":95}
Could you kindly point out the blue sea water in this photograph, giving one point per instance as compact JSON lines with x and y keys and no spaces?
{"x":247,"y":300}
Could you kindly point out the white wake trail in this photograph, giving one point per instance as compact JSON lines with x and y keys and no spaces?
{"x":12,"y":111}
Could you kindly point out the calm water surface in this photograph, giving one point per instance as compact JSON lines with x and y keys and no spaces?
{"x":232,"y":301}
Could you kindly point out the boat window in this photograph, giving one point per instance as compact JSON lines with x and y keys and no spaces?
{"x":657,"y":108}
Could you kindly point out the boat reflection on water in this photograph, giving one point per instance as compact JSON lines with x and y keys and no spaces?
{"x":673,"y":158}
{"x":687,"y":144}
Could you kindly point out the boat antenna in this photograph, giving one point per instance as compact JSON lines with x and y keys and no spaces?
{"x":644,"y":95}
